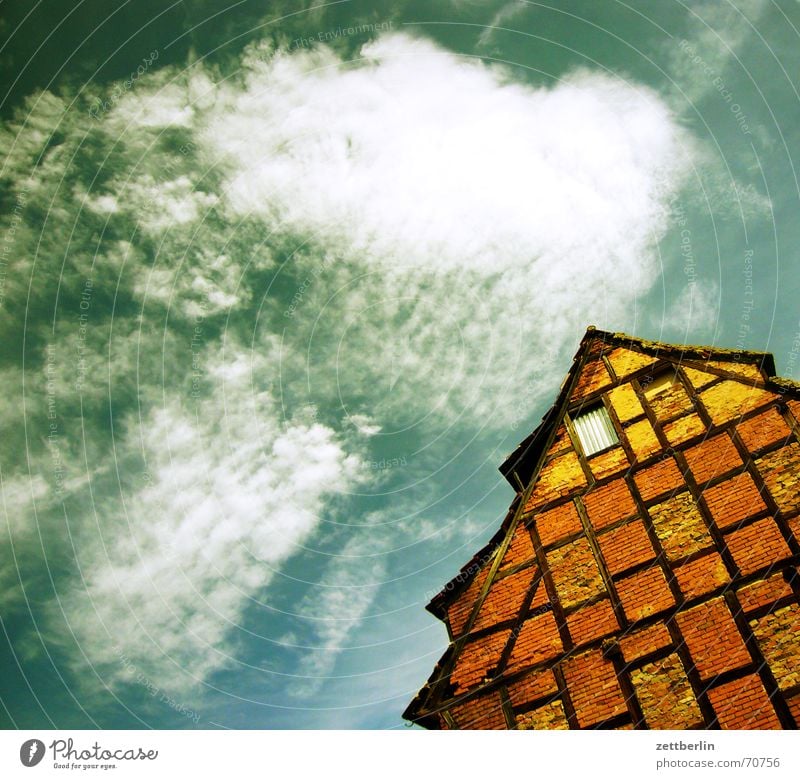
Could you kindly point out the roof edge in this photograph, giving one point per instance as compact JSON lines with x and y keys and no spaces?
{"x":527,"y":449}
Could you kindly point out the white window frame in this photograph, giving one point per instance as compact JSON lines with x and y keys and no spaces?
{"x":594,"y":430}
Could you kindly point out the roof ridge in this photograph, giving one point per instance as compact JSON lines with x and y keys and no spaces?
{"x":528,"y":449}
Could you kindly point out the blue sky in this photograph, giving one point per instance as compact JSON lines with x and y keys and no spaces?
{"x":282,"y":284}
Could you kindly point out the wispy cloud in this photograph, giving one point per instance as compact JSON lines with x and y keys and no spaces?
{"x":715,"y":35}
{"x":226,"y":495}
{"x":288,"y":271}
{"x":447,"y":200}
{"x":501,"y":19}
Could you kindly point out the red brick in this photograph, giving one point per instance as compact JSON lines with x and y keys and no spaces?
{"x":712,"y":458}
{"x":605,"y":505}
{"x":794,"y":527}
{"x":594,"y":376}
{"x":476,"y":659}
{"x":794,"y":407}
{"x":598,"y":345}
{"x":592,"y":622}
{"x":504,"y":599}
{"x":643,"y":642}
{"x":593,"y":687}
{"x":757,"y":546}
{"x":558,"y":524}
{"x":625,"y":546}
{"x":712,"y":637}
{"x":532,"y":687}
{"x":520,"y":550}
{"x":644,"y":593}
{"x":459,"y":610}
{"x":561,"y":441}
{"x":482,"y":713}
{"x":763,"y":430}
{"x":538,"y":641}
{"x":701,"y":576}
{"x":540,"y":597}
{"x":658,"y":479}
{"x":743,"y":704}
{"x":763,"y":592}
{"x":794,"y":708}
{"x":734,"y":500}
{"x":609,"y":463}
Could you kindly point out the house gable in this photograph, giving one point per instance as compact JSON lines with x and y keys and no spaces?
{"x":690,"y":507}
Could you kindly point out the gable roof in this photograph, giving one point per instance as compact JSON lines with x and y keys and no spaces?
{"x":519,"y":466}
{"x":523,"y":458}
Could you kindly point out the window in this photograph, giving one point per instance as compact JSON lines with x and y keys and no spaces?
{"x":659,"y":383}
{"x":595,"y":430}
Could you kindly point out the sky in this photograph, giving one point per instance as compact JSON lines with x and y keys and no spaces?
{"x":282,"y":284}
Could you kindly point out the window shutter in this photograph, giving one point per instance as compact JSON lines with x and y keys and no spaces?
{"x":595,"y":430}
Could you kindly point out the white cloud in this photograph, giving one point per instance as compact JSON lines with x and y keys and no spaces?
{"x":18,"y":529}
{"x":441,"y":163}
{"x":473,"y":222}
{"x":227,"y":494}
{"x":458,"y":232}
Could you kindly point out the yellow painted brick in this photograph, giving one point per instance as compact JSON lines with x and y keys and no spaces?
{"x":781,"y":472}
{"x":575,"y":573}
{"x":747,"y":371}
{"x":679,"y":526}
{"x":670,"y":402}
{"x":665,"y":695}
{"x":551,"y":716}
{"x":624,"y":361}
{"x":699,"y":379}
{"x":730,"y":399}
{"x":778,"y":635}
{"x":560,"y":477}
{"x":625,"y":403}
{"x":642,"y":439}
{"x":683,"y":429}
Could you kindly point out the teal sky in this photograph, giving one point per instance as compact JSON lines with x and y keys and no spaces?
{"x":282,"y":283}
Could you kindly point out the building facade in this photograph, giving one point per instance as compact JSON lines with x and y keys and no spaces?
{"x":646,"y":574}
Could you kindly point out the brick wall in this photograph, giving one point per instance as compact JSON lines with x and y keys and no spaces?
{"x":713,"y":640}
{"x":743,"y":704}
{"x":575,"y":573}
{"x":594,"y":688}
{"x":665,"y":695}
{"x":662,"y":568}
